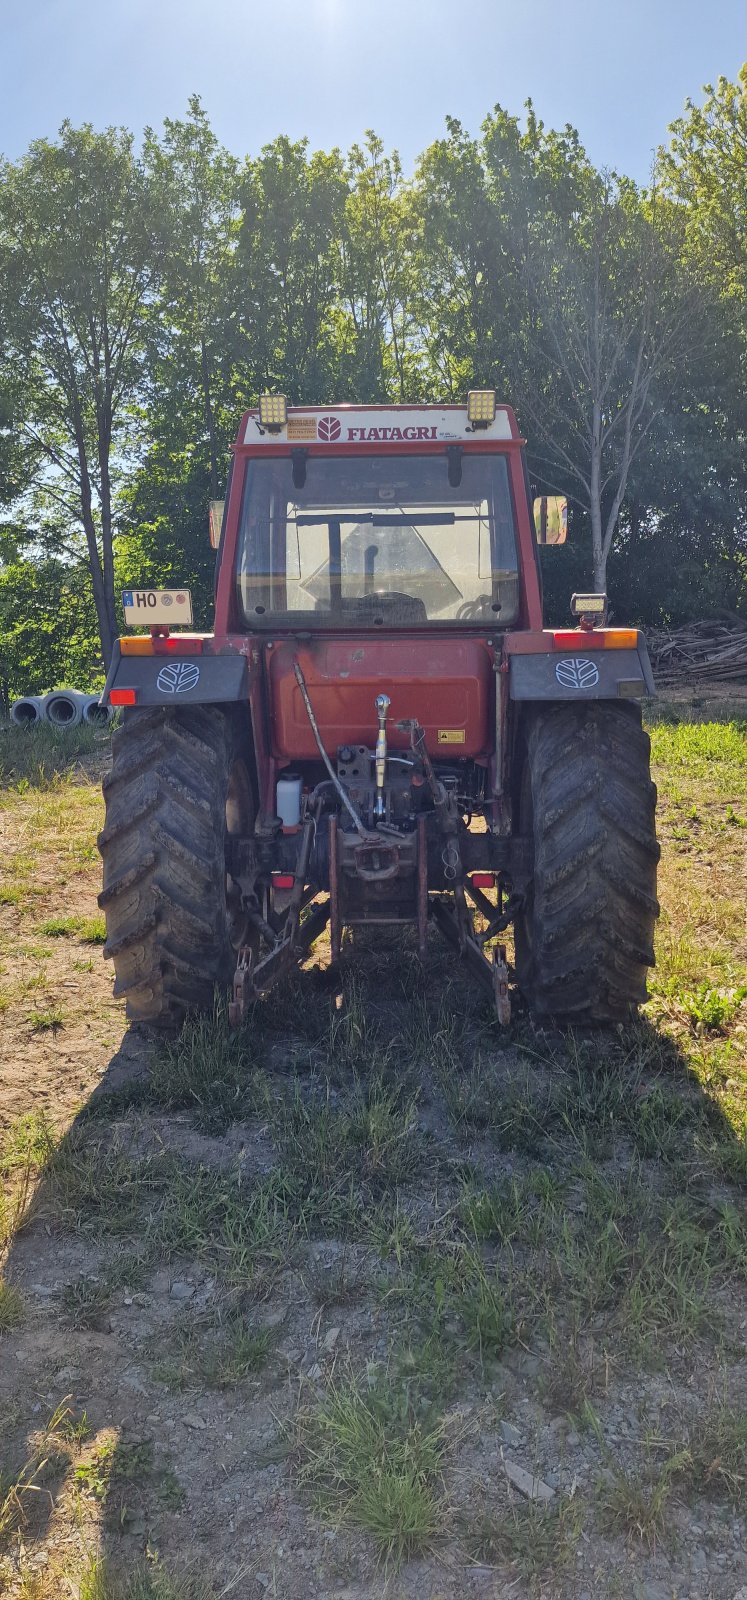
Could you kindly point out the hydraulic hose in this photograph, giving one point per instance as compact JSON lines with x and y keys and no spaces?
{"x":301,"y":681}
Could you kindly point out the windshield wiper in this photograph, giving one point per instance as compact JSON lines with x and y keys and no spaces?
{"x":384,"y":519}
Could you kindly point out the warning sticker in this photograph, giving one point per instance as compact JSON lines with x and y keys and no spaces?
{"x":451,"y":736}
{"x":302,"y":428}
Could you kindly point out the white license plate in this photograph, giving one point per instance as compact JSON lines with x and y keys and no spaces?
{"x":157,"y":607}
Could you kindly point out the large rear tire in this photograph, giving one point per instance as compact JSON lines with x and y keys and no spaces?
{"x":584,"y":937}
{"x":179,"y":786}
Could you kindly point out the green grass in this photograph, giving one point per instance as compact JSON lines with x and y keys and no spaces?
{"x":715,"y":1460}
{"x":28,"y":1142}
{"x":534,"y":1540}
{"x":713,"y":750}
{"x":91,"y":930}
{"x":123,"y":1474}
{"x":11,"y":1307}
{"x":369,"y":1140}
{"x":33,"y":758}
{"x":369,"y":1457}
{"x":48,"y":1019}
{"x":215,"y":1352}
{"x":636,"y":1502}
{"x":21,"y":1485}
{"x":101,"y":1580}
{"x":211,"y":1070}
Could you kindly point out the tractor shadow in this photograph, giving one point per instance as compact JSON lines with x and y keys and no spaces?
{"x":502,"y":1100}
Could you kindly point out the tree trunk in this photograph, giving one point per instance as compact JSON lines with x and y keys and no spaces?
{"x":103,"y":602}
{"x":599,"y":559}
{"x":210,"y":419}
{"x":107,"y":533}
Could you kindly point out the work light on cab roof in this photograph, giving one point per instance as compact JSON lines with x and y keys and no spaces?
{"x":273,"y":411}
{"x":380,"y":731}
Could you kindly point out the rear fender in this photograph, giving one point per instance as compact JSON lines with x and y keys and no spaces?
{"x":176,"y":680}
{"x":542,"y":667}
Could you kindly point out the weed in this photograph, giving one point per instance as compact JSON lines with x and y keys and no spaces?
{"x":100,"y":1581}
{"x":486,"y":1312}
{"x":636,"y":1502}
{"x":712,"y":1009}
{"x":219,"y":1354}
{"x":573,"y":1372}
{"x":372,"y":1140}
{"x":18,"y":1489}
{"x":47,"y":1021}
{"x":716,"y":1457}
{"x":371,"y":1460}
{"x":84,"y":1301}
{"x":209,"y":1069}
{"x":455,"y":1293}
{"x":533,"y":1539}
{"x":118,"y":1473}
{"x":11,"y":1307}
{"x":92,"y":930}
{"x":340,"y":1284}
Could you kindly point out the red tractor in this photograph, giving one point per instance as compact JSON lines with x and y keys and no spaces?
{"x":380,"y":730}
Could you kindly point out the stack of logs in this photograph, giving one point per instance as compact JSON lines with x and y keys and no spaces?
{"x":706,"y":651}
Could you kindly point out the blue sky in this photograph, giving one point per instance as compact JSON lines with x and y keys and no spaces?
{"x":620,"y":70}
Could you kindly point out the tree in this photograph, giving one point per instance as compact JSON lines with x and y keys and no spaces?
{"x":286,"y":273}
{"x":382,"y":354}
{"x":198,"y":183}
{"x":77,"y":266}
{"x":705,"y":171}
{"x":611,"y":318}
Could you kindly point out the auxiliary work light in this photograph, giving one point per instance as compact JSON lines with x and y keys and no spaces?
{"x":273,"y":411}
{"x":589,"y":606}
{"x":481,"y":407}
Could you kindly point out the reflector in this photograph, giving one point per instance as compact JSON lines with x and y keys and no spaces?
{"x":282,"y":880}
{"x":123,"y":697}
{"x":610,"y":639}
{"x":482,"y":880}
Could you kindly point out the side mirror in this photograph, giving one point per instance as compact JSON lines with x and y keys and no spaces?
{"x":216,"y":521}
{"x":551,"y":518}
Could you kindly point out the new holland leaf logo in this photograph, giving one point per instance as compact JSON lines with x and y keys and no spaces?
{"x":178,"y":677}
{"x":577,"y":672}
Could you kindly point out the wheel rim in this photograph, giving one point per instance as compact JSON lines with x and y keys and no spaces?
{"x":239,"y":818}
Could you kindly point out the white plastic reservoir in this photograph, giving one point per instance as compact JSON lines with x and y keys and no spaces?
{"x":289,"y":799}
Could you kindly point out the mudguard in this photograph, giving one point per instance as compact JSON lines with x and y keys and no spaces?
{"x":167,"y":680}
{"x":582,"y":673}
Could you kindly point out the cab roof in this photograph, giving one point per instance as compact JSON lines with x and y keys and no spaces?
{"x":353,"y":426}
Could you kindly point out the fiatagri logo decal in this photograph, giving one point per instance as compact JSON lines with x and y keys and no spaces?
{"x":330,"y":429}
{"x":388,"y":435}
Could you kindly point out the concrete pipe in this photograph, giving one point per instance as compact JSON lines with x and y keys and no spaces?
{"x":96,"y":715}
{"x":64,"y":707}
{"x":27,"y":711}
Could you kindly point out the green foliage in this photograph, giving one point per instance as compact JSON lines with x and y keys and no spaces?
{"x":145,"y":301}
{"x":48,"y":634}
